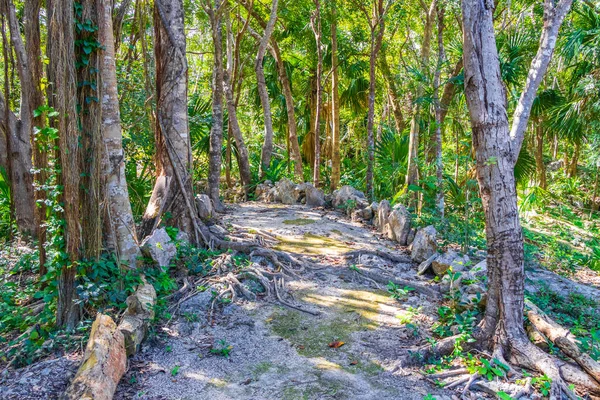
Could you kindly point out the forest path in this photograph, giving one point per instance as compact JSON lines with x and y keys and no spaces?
{"x":281,"y":353}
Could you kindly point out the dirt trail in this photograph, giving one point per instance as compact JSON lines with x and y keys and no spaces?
{"x":280,"y":353}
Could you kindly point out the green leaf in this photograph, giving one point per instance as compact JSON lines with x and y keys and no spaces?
{"x":503,"y":396}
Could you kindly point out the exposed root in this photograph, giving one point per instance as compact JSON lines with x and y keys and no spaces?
{"x":395,"y":258}
{"x":429,"y":291}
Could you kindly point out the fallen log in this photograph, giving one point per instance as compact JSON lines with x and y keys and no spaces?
{"x":562,"y":338}
{"x":103,"y":365}
{"x":140,"y":311}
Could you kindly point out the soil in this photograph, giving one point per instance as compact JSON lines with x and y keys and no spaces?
{"x":355,"y":348}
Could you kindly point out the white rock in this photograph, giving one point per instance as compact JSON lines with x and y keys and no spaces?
{"x":424,"y":245}
{"x":400,"y":222}
{"x":314,"y":196}
{"x":159,"y":247}
{"x":204,"y":205}
{"x":284,"y":192}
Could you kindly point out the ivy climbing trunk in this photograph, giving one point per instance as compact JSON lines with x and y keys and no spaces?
{"x":121,"y":234}
{"x":62,"y":74}
{"x":267,"y":148}
{"x":172,"y":193}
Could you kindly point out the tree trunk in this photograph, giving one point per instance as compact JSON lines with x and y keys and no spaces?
{"x":242,"y":151}
{"x":539,"y":155}
{"x":572,"y":166}
{"x":412,"y":169}
{"x":216,"y":131}
{"x":439,"y":198}
{"x":61,"y":67}
{"x":267,"y":149}
{"x":20,"y":136}
{"x":393,"y":95}
{"x":40,"y":156}
{"x":335,"y":103}
{"x":173,"y":192}
{"x":119,"y":216}
{"x":496,"y":151}
{"x":316,"y":26}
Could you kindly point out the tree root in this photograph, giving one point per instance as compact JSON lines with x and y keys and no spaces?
{"x":562,"y":338}
{"x":429,"y":291}
{"x":395,"y":258}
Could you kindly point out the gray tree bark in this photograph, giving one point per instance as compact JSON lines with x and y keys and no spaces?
{"x":173,"y":192}
{"x":267,"y":149}
{"x":216,"y":130}
{"x":335,"y":103}
{"x":20,"y":135}
{"x":119,"y":217}
{"x":497,"y":149}
{"x":439,"y":198}
{"x":316,"y":27}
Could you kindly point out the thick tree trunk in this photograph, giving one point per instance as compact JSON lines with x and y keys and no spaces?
{"x":335,"y":103}
{"x":20,"y":136}
{"x":316,"y":26}
{"x":572,"y":165}
{"x":539,"y":155}
{"x":496,"y":151}
{"x":61,"y":54}
{"x":267,"y":149}
{"x":173,"y":192}
{"x":439,"y":166}
{"x":119,"y":216}
{"x":216,"y":131}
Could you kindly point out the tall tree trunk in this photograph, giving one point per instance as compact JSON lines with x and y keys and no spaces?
{"x":439,"y":166}
{"x":497,"y":148}
{"x":216,"y":131}
{"x":377,"y":25}
{"x":393,"y":94}
{"x":90,"y":133}
{"x":119,"y":215}
{"x":19,"y":137}
{"x":61,"y":67}
{"x":40,"y":156}
{"x":595,"y":202}
{"x":335,"y":103}
{"x":242,"y":151}
{"x":173,"y":191}
{"x":572,"y":166}
{"x":412,"y":174}
{"x":267,"y":149}
{"x":539,"y":155}
{"x":294,"y":147}
{"x":316,"y":26}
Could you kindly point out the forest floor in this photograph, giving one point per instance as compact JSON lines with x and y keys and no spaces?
{"x":355,"y":348}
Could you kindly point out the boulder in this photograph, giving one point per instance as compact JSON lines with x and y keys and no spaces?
{"x":451,"y":259}
{"x":479,"y":270}
{"x":383,"y":213}
{"x":104,"y":363}
{"x":159,"y":247}
{"x":424,"y":245}
{"x":400,"y":222}
{"x":364,"y":214}
{"x":314,"y":197}
{"x":198,"y":303}
{"x":348,"y":199}
{"x":204,"y":205}
{"x":411,"y":236}
{"x":300,"y":192}
{"x":284,"y":192}
{"x":262,"y":190}
{"x":139,"y":313}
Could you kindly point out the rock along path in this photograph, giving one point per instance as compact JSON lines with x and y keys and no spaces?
{"x":280,"y":353}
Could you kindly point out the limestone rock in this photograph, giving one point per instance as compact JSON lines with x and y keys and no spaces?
{"x":103,"y":365}
{"x":204,"y":205}
{"x":218,"y":230}
{"x":451,"y":259}
{"x":411,"y":236}
{"x":480,"y":269}
{"x":400,"y":222}
{"x":198,"y":303}
{"x":159,"y":247}
{"x":261,"y":193}
{"x":300,"y":192}
{"x":383,"y":213}
{"x":140,"y":311}
{"x":314,"y":196}
{"x":284,"y":192}
{"x":424,"y":245}
{"x":348,"y":199}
